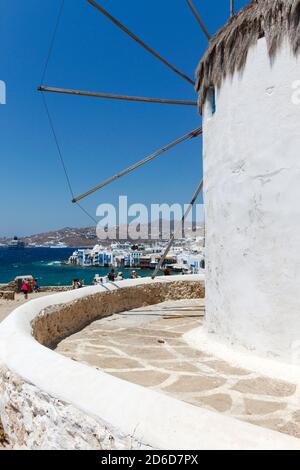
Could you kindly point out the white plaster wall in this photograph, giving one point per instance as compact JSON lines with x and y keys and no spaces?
{"x":252,"y":194}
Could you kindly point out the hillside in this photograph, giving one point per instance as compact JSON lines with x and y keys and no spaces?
{"x":85,"y":237}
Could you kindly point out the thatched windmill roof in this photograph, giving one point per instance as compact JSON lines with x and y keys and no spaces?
{"x":228,"y":49}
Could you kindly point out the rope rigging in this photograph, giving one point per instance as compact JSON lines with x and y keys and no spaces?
{"x":51,"y":124}
{"x":60,"y":13}
{"x":63,"y":161}
{"x":57,"y":145}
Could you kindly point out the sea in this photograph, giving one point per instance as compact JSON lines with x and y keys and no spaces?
{"x":44,"y":264}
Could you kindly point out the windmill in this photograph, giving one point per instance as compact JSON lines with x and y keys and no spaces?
{"x":99,"y":95}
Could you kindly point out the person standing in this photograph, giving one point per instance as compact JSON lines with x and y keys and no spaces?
{"x":25,"y":288}
{"x":35,"y":286}
{"x":134,"y":275}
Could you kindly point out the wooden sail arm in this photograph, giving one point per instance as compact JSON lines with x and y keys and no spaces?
{"x":198,"y":18}
{"x":232,"y":9}
{"x":139,"y":41}
{"x":115,"y":97}
{"x":172,"y":240}
{"x":151,"y":157}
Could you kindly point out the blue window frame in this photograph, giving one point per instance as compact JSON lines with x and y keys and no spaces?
{"x":212,"y":100}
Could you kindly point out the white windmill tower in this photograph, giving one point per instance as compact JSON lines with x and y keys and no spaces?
{"x":251,"y":139}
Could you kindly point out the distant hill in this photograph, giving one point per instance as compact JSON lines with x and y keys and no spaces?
{"x":87,"y":237}
{"x":72,"y":237}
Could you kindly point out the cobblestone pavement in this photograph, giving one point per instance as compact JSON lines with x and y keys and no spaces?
{"x":146,"y":346}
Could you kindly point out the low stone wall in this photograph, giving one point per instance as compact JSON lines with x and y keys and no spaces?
{"x":55,"y":289}
{"x":12,"y":287}
{"x":7,"y":295}
{"x":8,"y":287}
{"x":59,"y":321}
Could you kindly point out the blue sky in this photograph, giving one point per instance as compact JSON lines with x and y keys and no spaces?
{"x":98,"y":138}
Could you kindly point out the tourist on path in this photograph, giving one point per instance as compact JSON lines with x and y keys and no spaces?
{"x":77,"y":284}
{"x":25,"y":288}
{"x":98,"y":281}
{"x":111,"y":276}
{"x":35,"y":286}
{"x":120,"y":277}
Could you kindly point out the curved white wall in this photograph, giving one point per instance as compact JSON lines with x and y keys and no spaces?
{"x":252,"y":195}
{"x":48,"y":401}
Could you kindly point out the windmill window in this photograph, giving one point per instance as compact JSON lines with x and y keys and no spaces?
{"x":211,"y":97}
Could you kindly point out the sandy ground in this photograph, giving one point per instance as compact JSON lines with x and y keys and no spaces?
{"x":7,"y":306}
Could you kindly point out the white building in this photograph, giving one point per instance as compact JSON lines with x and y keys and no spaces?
{"x":135,"y":257}
{"x":251,"y":173}
{"x":84,"y":257}
{"x":193,"y":263}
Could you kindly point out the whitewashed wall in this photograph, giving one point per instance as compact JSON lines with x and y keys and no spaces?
{"x":252,"y":196}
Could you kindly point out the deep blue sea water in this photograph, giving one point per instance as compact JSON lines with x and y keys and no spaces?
{"x":44,"y":265}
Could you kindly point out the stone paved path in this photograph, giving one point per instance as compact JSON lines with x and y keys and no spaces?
{"x":146,"y":346}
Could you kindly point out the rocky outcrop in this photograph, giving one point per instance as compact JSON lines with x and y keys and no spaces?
{"x":35,"y":420}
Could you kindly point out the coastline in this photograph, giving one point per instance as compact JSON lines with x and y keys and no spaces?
{"x":47,"y":265}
